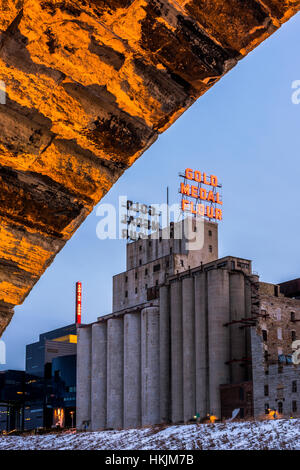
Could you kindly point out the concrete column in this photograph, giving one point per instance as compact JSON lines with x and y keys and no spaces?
{"x":164,"y":351}
{"x":237,"y":335}
{"x":150,"y":365}
{"x":201,"y":340}
{"x":188,"y":345}
{"x":218,"y":339}
{"x":115,"y":373}
{"x":83,"y":380}
{"x":248,"y":304}
{"x":132,"y":370}
{"x":99,"y":376}
{"x":248,"y":314}
{"x":176,"y":353}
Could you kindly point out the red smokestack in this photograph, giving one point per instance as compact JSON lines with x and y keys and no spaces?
{"x":78,"y":303}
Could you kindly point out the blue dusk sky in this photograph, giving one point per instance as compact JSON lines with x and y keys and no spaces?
{"x":245,"y":130}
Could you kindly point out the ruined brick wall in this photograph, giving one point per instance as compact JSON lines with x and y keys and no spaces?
{"x":265,"y":288}
{"x":282,"y":319}
{"x":272,"y":369}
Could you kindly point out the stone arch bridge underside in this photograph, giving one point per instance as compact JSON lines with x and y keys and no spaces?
{"x":90,"y":85}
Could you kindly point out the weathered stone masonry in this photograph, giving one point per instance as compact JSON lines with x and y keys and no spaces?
{"x":90,"y":85}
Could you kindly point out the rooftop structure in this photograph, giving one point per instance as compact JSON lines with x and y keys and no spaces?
{"x":150,"y":261}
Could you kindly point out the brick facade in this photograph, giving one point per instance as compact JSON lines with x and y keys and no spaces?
{"x":276,"y":379}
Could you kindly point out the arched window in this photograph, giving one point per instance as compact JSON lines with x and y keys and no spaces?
{"x":292,"y":316}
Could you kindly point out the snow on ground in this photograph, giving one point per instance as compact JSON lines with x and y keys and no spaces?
{"x":256,"y":435}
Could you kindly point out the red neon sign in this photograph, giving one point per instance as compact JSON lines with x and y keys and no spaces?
{"x":78,"y":302}
{"x":204,"y":199}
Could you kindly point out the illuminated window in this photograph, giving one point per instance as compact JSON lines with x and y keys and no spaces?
{"x":59,"y":417}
